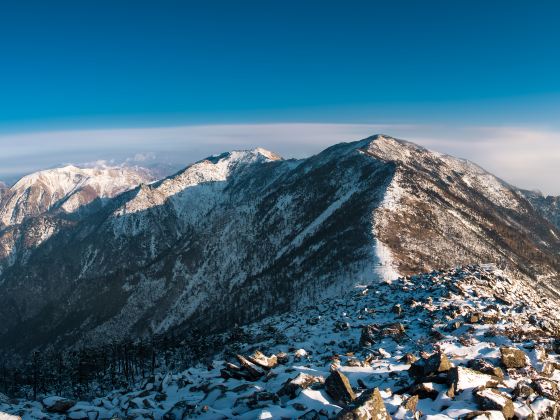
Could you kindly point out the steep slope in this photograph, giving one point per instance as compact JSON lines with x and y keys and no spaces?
{"x":195,"y":248}
{"x":547,"y":206}
{"x":191,"y":249}
{"x":441,"y":211}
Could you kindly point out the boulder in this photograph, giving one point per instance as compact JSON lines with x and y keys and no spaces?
{"x":58,"y":404}
{"x":430,"y":366}
{"x":293,"y":387}
{"x":373,"y":333}
{"x":512,"y":357}
{"x":282,"y":358}
{"x":523,"y":390}
{"x":408,"y":359}
{"x":411,"y":403}
{"x":484,"y":366}
{"x":461,"y":378}
{"x":547,"y":388}
{"x":370,"y":405}
{"x":261,"y":360}
{"x":423,"y":390}
{"x":492,"y":399}
{"x":339,"y":389}
{"x":255,"y":372}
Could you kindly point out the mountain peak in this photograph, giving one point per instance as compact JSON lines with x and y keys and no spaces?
{"x":388,"y":148}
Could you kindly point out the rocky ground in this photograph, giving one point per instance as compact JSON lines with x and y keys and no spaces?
{"x":465,"y":343}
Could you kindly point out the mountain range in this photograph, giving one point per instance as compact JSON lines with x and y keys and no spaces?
{"x":98,"y":255}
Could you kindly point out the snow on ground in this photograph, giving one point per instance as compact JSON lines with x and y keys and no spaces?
{"x":481,"y":346}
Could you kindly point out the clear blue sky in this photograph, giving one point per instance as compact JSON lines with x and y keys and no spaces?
{"x":113,"y":63}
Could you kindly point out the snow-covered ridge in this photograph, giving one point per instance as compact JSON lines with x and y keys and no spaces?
{"x":210,"y":170}
{"x":409,"y":154}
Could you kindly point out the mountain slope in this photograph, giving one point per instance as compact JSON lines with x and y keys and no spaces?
{"x":444,"y":211}
{"x":547,"y":206}
{"x":40,"y":204}
{"x":195,"y":248}
{"x":448,"y":344}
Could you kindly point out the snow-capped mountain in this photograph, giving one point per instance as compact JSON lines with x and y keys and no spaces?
{"x":68,"y":188}
{"x":40,"y":204}
{"x":243,"y":235}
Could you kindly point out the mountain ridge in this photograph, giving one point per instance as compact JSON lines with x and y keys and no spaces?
{"x":248,"y":226}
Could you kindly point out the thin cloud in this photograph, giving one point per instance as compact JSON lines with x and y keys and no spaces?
{"x":526,"y":157}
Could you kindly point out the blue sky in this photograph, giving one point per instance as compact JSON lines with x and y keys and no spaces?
{"x":98,"y":65}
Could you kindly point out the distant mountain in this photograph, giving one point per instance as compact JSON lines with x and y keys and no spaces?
{"x":3,"y":189}
{"x":40,"y":204}
{"x":547,"y":206}
{"x":246,"y":234}
{"x":68,"y":188}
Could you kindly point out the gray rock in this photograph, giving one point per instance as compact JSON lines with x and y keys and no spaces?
{"x":339,"y":389}
{"x":492,"y":399}
{"x":370,"y":405}
{"x":512,"y":357}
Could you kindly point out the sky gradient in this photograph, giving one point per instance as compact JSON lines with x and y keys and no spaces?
{"x":453,"y":69}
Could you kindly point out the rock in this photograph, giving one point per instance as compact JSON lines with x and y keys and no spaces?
{"x":179,"y":410}
{"x":233,"y":371}
{"x":408,"y":359}
{"x":397,"y":309}
{"x":341,"y":326}
{"x":484,"y":366}
{"x":300,"y":354}
{"x":373,"y":333}
{"x":254,"y":371}
{"x":432,"y":365}
{"x":293,"y":387}
{"x":411,"y":403}
{"x":492,"y":399}
{"x":282,"y":358}
{"x":261,"y":360}
{"x":424,"y":390}
{"x":58,"y":404}
{"x":313,"y":321}
{"x":548,"y":369}
{"x":513,"y":357}
{"x":483,"y":415}
{"x":474,"y":318}
{"x":461,"y":378}
{"x":547,"y":388}
{"x":370,"y":405}
{"x":523,"y":390}
{"x":339,"y":389}
{"x":299,"y":406}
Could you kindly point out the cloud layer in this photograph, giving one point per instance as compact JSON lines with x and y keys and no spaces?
{"x":526,"y":157}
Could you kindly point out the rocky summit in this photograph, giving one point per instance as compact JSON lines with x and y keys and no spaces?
{"x":466,"y":343}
